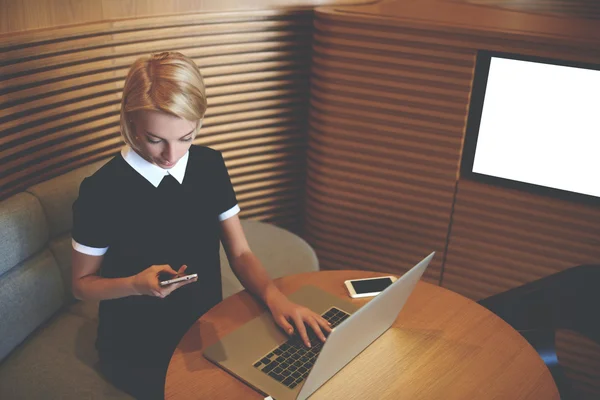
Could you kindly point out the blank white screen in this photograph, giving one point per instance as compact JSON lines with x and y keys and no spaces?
{"x":540,"y":124}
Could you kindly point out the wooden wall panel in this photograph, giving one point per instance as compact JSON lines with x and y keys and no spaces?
{"x":390,"y":91}
{"x":60,"y":94}
{"x":21,"y":15}
{"x":386,"y":122}
{"x":503,"y":238}
{"x":589,"y":9}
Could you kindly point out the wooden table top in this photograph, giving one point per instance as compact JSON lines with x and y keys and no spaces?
{"x":442,"y":346}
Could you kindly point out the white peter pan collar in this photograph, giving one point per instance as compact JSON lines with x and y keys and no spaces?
{"x":153,"y":173}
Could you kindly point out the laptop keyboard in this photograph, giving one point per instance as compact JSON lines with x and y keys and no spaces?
{"x":291,"y":362}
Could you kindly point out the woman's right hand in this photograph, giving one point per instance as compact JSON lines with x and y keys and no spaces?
{"x":147,"y":282}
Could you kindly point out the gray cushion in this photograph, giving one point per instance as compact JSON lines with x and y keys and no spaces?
{"x":24,"y":229}
{"x":58,"y":362}
{"x":58,"y":194}
{"x":281,"y":253}
{"x":29,"y":294}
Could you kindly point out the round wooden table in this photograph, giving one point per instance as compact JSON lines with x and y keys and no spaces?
{"x":442,"y":346}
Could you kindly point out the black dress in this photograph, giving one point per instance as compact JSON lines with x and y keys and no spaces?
{"x":144,"y":225}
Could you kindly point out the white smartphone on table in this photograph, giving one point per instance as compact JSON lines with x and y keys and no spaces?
{"x":181,"y":278}
{"x":368,"y":287}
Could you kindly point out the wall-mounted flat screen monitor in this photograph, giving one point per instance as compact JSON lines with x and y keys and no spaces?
{"x":534,"y":124}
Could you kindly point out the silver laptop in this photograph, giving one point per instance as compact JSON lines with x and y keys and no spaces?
{"x":261,"y":355}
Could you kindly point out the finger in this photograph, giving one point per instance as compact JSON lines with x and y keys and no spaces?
{"x":301,"y":329}
{"x":284,"y":324}
{"x":166,"y":268}
{"x":182,"y":270}
{"x":323,"y":323}
{"x":316,"y":328}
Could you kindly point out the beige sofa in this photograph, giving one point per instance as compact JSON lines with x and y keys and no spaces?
{"x":46,"y":336}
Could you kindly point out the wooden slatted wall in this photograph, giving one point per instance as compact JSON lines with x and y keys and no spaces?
{"x":589,"y":9}
{"x":503,"y":238}
{"x":60,"y":93}
{"x":386,"y":121}
{"x":23,"y":15}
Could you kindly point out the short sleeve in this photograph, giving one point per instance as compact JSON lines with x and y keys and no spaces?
{"x":90,"y":220}
{"x":227,"y":205}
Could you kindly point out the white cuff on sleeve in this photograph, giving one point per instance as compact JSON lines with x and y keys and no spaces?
{"x":90,"y":251}
{"x":229,"y":213}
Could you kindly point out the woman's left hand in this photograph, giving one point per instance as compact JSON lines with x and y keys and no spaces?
{"x":285,"y":311}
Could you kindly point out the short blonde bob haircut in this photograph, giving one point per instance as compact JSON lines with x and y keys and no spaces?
{"x":169,"y":82}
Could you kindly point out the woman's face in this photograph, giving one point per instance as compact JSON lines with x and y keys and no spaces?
{"x":162,"y":138}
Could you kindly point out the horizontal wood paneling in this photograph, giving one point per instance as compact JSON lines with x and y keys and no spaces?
{"x":386,"y":123}
{"x":21,"y":15}
{"x":588,"y":9}
{"x":502,"y":238}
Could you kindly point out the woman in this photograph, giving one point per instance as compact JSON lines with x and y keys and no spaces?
{"x":156,"y":210}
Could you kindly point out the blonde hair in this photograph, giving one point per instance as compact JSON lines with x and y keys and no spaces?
{"x":169,"y":82}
